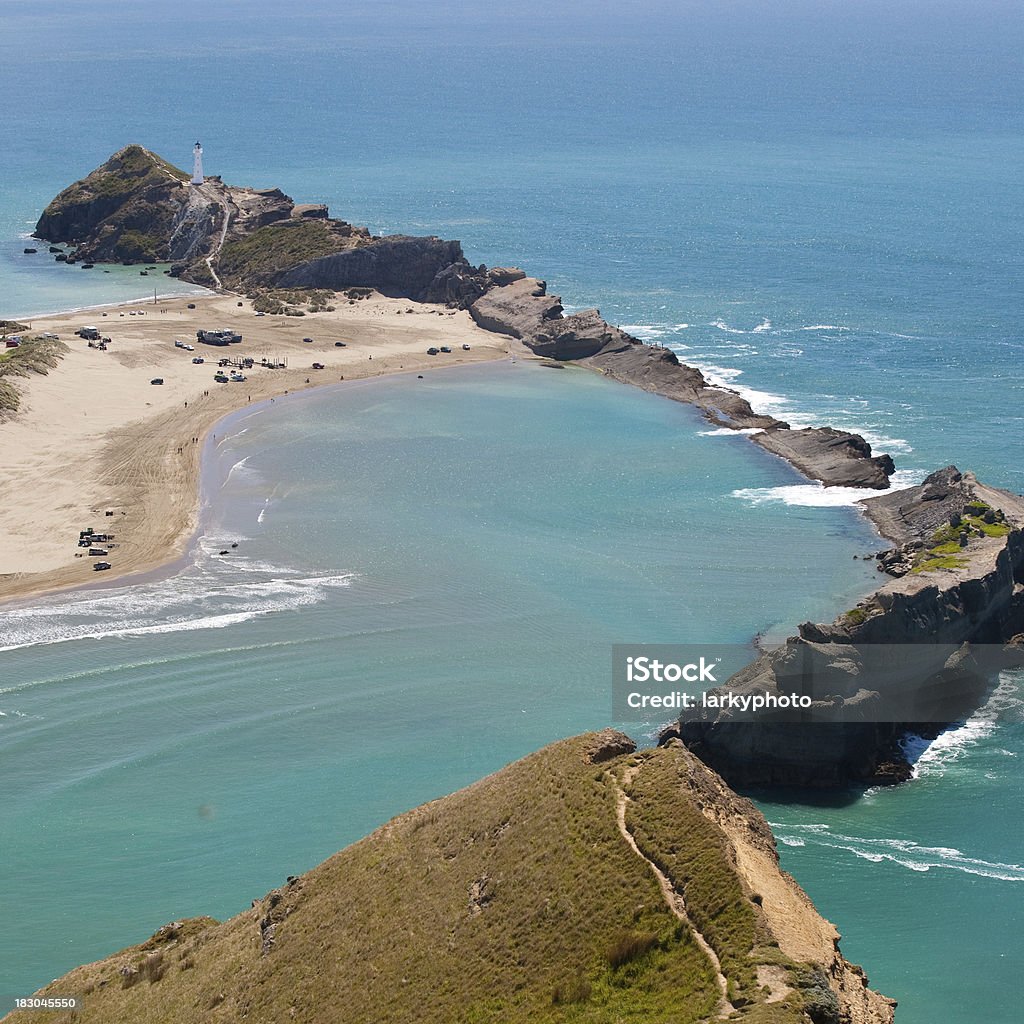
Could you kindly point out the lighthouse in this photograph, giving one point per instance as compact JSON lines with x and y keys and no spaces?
{"x":197,"y":165}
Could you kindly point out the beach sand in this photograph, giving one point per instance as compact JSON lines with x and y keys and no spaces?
{"x":95,"y":436}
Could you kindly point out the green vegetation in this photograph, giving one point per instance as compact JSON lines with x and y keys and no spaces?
{"x":515,"y":900}
{"x":978,"y":519}
{"x":135,"y":245}
{"x":692,"y":852}
{"x":259,"y":258}
{"x":33,"y":355}
{"x":930,"y":563}
{"x":855,"y":616}
{"x":293,"y":302}
{"x":132,"y":170}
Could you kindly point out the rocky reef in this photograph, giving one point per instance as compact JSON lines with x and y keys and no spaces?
{"x":523,"y":309}
{"x":915,"y":656}
{"x":589,"y":881}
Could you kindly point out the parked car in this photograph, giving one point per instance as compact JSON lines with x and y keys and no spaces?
{"x":221,"y":378}
{"x":445,"y":348}
{"x":431,"y":351}
{"x":339,"y":344}
{"x":465,"y":348}
{"x":198,"y":360}
{"x":308,"y":340}
{"x":157,"y":380}
{"x":318,"y":366}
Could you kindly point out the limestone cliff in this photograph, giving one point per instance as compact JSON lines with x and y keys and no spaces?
{"x":587,"y":882}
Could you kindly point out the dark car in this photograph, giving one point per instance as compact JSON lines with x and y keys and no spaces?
{"x":431,"y":351}
{"x":157,"y":380}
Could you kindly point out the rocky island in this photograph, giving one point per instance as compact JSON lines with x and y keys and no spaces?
{"x":588,"y":882}
{"x":137,"y":206}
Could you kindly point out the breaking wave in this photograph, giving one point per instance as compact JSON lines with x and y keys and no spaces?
{"x":904,"y":852}
{"x":816,"y":495}
{"x":934,"y":757}
{"x":218,"y":591}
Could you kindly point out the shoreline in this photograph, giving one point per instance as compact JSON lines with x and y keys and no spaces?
{"x":145,"y":300}
{"x":163,"y":513}
{"x":145,"y":465}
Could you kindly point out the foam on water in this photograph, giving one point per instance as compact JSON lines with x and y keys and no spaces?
{"x":817,"y":495}
{"x":216,"y":592}
{"x":904,"y":852}
{"x":729,"y":432}
{"x":645,"y":332}
{"x":934,"y":757}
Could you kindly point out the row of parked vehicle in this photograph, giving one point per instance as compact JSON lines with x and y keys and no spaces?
{"x":432,"y":351}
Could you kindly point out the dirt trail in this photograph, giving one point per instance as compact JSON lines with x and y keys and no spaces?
{"x":674,"y":898}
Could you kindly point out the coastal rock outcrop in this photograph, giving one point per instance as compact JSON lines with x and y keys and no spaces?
{"x":138,"y":206}
{"x":126,"y":209}
{"x":824,"y":453}
{"x":916,"y":655}
{"x":400,"y":265}
{"x":522,"y":308}
{"x":684,"y":915}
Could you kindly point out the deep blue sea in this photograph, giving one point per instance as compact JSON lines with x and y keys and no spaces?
{"x":820,"y":206}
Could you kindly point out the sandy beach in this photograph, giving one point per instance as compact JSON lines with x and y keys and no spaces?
{"x":94,"y":436}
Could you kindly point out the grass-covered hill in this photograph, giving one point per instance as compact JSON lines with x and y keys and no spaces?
{"x":585,"y":883}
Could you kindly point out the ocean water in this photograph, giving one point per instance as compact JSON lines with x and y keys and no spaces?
{"x":428,"y":580}
{"x":818,"y":206}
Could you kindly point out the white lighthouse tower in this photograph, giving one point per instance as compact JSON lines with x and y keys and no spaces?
{"x":197,"y":165}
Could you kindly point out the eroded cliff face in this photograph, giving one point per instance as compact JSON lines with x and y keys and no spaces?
{"x":918,"y":654}
{"x":399,"y":265}
{"x":587,"y":881}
